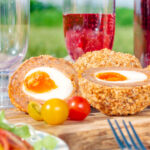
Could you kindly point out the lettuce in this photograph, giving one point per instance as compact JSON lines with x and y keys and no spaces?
{"x":47,"y":143}
{"x":21,"y":131}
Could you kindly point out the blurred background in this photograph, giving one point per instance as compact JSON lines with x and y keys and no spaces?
{"x":46,"y":30}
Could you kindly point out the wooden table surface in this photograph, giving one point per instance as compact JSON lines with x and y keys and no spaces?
{"x":93,"y":133}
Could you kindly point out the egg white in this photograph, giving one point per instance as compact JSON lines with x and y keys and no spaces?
{"x":64,"y":85}
{"x":132,"y":76}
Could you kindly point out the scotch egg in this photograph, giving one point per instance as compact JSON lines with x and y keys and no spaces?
{"x":105,"y":58}
{"x":116,"y":91}
{"x":40,"y":79}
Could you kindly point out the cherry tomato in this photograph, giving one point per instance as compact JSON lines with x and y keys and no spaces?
{"x":1,"y":148}
{"x":79,"y":108}
{"x":3,"y":142}
{"x":34,"y":110}
{"x":55,"y":111}
{"x":10,"y":141}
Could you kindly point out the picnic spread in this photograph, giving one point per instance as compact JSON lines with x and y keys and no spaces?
{"x":93,"y":99}
{"x":45,"y":90}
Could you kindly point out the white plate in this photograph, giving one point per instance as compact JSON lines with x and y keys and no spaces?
{"x":61,"y":145}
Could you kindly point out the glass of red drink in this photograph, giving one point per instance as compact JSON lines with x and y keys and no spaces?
{"x":142,"y":31}
{"x":89,"y":25}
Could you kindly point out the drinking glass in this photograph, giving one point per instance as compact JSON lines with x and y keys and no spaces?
{"x":142,"y":31}
{"x":88,"y":25}
{"x":14,"y":27}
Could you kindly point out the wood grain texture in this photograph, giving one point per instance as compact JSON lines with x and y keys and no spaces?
{"x":93,"y":133}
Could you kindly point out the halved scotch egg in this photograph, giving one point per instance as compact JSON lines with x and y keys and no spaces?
{"x":116,"y":91}
{"x":40,"y":79}
{"x":105,"y":58}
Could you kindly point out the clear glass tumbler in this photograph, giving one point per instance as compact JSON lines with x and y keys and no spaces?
{"x":14,"y":28}
{"x":88,"y":25}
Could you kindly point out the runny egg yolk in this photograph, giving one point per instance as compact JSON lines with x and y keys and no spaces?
{"x":39,"y":82}
{"x":111,"y":76}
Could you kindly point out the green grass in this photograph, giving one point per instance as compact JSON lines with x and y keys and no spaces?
{"x":45,"y":40}
{"x":124,"y":39}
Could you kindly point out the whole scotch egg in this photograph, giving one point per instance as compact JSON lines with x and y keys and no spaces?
{"x":116,"y":91}
{"x":40,"y":79}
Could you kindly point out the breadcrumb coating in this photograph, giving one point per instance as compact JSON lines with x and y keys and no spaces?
{"x":112,"y":98}
{"x":105,"y":58}
{"x":18,"y":98}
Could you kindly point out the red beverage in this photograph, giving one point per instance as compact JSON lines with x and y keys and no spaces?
{"x":142,"y":31}
{"x":88,"y":32}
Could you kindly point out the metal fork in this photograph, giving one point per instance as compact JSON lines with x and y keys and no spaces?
{"x":124,"y":144}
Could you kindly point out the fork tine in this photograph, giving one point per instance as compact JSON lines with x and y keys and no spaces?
{"x":130,"y":136}
{"x":124,"y":138}
{"x":137,"y":137}
{"x":120,"y":143}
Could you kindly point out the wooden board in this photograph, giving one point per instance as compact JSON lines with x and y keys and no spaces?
{"x":93,"y":133}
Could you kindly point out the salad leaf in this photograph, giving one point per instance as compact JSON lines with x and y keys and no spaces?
{"x":47,"y":143}
{"x":3,"y":122}
{"x":21,"y":131}
{"x":2,"y":116}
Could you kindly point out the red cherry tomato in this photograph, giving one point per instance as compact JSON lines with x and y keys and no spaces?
{"x":10,"y":141}
{"x":79,"y":108}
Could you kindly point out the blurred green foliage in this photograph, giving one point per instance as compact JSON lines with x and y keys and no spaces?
{"x":45,"y":14}
{"x":37,"y":5}
{"x":124,"y":17}
{"x":46,"y":17}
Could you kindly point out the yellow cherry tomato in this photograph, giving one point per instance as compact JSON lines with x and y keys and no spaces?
{"x":34,"y":110}
{"x":55,"y":111}
{"x":1,"y":148}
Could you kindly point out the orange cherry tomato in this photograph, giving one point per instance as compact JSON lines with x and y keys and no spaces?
{"x":79,"y":108}
{"x":55,"y":111}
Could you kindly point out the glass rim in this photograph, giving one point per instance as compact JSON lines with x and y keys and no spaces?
{"x":77,"y":7}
